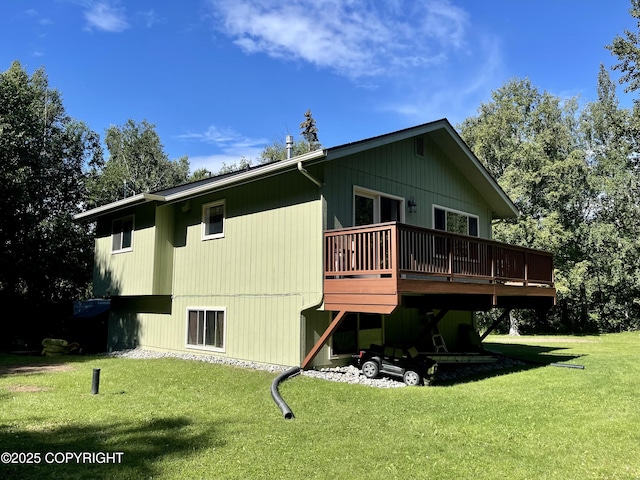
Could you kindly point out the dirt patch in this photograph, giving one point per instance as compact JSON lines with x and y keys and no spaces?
{"x":26,"y":388}
{"x":33,"y":369}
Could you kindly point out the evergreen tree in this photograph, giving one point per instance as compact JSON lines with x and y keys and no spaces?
{"x":309,"y":131}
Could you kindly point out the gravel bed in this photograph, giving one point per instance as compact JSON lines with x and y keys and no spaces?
{"x":139,"y":353}
{"x":346,"y":374}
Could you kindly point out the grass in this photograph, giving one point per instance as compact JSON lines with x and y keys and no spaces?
{"x":176,"y":419}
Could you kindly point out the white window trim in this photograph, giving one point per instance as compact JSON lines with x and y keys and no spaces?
{"x":453,"y":210}
{"x":205,"y":207}
{"x":333,"y":356}
{"x":375,"y":196}
{"x":133,"y":227}
{"x":203,"y":347}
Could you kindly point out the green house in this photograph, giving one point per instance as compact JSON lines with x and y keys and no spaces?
{"x":304,"y":261}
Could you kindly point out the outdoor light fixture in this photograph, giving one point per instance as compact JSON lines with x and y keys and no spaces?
{"x":413,"y":206}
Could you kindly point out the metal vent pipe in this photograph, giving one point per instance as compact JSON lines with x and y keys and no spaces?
{"x":289,"y":146}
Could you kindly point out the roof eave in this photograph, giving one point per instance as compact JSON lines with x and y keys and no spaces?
{"x":503,"y":206}
{"x":119,"y":205}
{"x":248,"y":176}
{"x":225,"y":182}
{"x":450,"y":142}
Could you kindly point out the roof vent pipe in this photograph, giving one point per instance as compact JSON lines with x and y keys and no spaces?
{"x":289,"y":146}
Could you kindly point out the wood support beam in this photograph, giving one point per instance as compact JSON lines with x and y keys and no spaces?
{"x":438,"y":317}
{"x":493,"y":326}
{"x":320,"y":343}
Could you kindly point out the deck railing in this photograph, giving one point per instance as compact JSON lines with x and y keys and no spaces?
{"x":393,"y":250}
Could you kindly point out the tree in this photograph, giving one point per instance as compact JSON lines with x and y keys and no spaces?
{"x":309,"y":131}
{"x":277,"y":150}
{"x":45,"y":256}
{"x":307,"y":143}
{"x":627,"y":50}
{"x":136,"y":164}
{"x":528,"y":140}
{"x":613,"y":276}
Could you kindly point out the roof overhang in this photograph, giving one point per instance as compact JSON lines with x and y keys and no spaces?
{"x":201,"y":188}
{"x":440,"y":132}
{"x":119,"y":205}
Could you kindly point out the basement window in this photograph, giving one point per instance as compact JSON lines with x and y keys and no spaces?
{"x":122,"y":235}
{"x":206,"y":328}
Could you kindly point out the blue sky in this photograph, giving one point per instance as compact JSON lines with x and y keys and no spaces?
{"x":221,"y":79}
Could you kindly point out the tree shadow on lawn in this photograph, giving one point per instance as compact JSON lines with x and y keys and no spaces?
{"x":12,"y":364}
{"x":512,"y":358}
{"x":142,"y":447}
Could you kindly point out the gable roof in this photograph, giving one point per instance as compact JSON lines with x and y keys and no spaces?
{"x":440,"y":132}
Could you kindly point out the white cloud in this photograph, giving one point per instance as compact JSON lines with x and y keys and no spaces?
{"x":103,"y":16}
{"x":212,"y":163}
{"x":454,"y":94}
{"x":230,"y":147}
{"x":355,"y":38}
{"x":150,"y":18}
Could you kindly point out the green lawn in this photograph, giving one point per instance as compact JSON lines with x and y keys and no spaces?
{"x":175,"y":419}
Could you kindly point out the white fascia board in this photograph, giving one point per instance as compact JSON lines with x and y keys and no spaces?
{"x":120,"y":204}
{"x":491,"y":182}
{"x":238,"y":178}
{"x":248,"y":176}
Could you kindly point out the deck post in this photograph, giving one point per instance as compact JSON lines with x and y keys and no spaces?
{"x":450,"y":250}
{"x":394,"y":260}
{"x":320,"y":343}
{"x":493,"y":264}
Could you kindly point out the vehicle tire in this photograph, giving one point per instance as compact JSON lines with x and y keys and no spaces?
{"x":370,"y":369}
{"x":412,"y":378}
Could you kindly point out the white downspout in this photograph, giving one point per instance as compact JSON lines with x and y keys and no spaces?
{"x":308,"y":175}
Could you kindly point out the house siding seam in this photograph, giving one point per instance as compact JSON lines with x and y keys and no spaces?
{"x":264,"y":271}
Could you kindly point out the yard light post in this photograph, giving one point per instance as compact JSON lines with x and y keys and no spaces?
{"x":95,"y":382}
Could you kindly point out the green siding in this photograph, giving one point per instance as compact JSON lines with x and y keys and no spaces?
{"x":267,"y":270}
{"x":163,"y":259}
{"x":395,"y":169}
{"x":126,"y":273}
{"x":406,"y":326}
{"x":264,"y":271}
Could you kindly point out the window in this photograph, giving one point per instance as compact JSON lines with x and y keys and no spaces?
{"x":122,"y":235}
{"x":206,"y":328}
{"x":371,"y":207}
{"x":455,"y":222}
{"x":357,"y":331}
{"x":213,"y":220}
{"x":420,"y":146}
{"x":363,"y":210}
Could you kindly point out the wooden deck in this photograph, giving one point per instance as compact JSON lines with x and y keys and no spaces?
{"x":376,"y":267}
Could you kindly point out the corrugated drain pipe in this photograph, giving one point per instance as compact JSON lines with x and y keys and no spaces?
{"x":286,"y":411}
